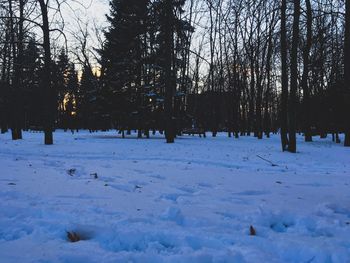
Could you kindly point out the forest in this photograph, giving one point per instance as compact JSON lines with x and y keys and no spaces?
{"x":247,"y":68}
{"x":166,"y":131}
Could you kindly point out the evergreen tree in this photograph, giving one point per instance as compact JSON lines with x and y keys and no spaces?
{"x":72,"y":86}
{"x":173,"y":43}
{"x":90,"y":104}
{"x":32,"y":67}
{"x":145,"y":55}
{"x":123,"y":54}
{"x":61,"y":77}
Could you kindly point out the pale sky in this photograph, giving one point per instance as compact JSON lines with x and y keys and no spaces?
{"x":81,"y":12}
{"x":88,"y":10}
{"x":94,"y":11}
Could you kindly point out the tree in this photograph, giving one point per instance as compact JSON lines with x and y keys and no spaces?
{"x":124,"y":57}
{"x":347,"y":66}
{"x":5,"y":69}
{"x":60,"y":77}
{"x":170,"y":87}
{"x":31,"y":79}
{"x":47,"y":89}
{"x":284,"y":96}
{"x":292,"y":146}
{"x":17,"y":50}
{"x":305,"y":76}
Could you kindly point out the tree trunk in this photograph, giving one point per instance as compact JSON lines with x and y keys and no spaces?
{"x":46,"y":81}
{"x":304,"y":81}
{"x":292,"y":147}
{"x":169,"y":74}
{"x":284,"y":98}
{"x":14,"y":83}
{"x":4,"y":79}
{"x":347,"y":67}
{"x":17,"y":80}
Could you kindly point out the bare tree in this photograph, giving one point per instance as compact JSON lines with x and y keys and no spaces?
{"x":284,"y":98}
{"x":294,"y":79}
{"x":305,"y":76}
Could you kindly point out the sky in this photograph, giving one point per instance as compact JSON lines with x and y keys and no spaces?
{"x":83,"y":12}
{"x":88,"y":10}
{"x":94,"y":12}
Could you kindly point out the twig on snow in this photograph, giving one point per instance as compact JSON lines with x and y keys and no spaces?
{"x":272,"y":164}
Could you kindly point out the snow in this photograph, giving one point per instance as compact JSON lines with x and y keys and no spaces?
{"x":142,"y":200}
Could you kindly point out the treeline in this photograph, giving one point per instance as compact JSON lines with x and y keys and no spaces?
{"x":239,"y":66}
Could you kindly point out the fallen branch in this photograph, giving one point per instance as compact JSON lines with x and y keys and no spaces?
{"x":272,"y":164}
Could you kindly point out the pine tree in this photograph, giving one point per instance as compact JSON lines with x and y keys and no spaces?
{"x":72,"y":86}
{"x":61,"y":77}
{"x":172,"y":39}
{"x":32,"y":67}
{"x":90,"y":105}
{"x":123,"y":55}
{"x":145,"y":56}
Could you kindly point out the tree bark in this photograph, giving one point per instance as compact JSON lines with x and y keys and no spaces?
{"x":17,"y":78}
{"x":304,"y":81}
{"x":347,"y":67}
{"x":46,"y":81}
{"x":292,"y":147}
{"x":14,"y":83}
{"x":284,"y":98}
{"x":169,"y":74}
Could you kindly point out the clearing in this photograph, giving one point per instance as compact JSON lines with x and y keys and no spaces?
{"x":133,"y":200}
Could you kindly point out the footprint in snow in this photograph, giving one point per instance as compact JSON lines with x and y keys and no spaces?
{"x":205,"y":185}
{"x":123,"y":187}
{"x":157,"y":176}
{"x":186,"y":189}
{"x":252,"y":193}
{"x":171,"y":197}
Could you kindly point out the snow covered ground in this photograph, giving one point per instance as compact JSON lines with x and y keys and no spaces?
{"x":194,"y":201}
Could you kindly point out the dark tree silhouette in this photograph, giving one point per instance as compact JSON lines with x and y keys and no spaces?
{"x":284,"y":98}
{"x":292,"y":147}
{"x":347,"y":69}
